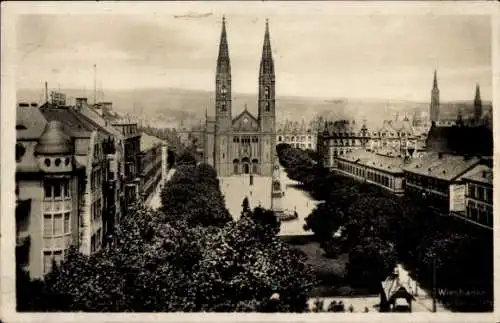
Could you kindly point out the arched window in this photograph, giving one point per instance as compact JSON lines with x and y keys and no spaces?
{"x":268,"y":108}
{"x":279,"y":138}
{"x":223,"y":106}
{"x":266,"y":93}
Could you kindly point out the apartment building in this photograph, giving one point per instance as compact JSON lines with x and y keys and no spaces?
{"x":132,"y":149}
{"x":479,"y":196}
{"x":49,"y":179}
{"x":150,"y":165}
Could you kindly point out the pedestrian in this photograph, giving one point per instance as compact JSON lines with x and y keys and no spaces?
{"x":331,"y":307}
{"x":351,"y":308}
{"x":366,"y":309}
{"x":341,"y":307}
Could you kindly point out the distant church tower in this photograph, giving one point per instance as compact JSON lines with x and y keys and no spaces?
{"x":267,"y":104}
{"x":434,"y":107}
{"x":478,"y":107}
{"x":223,"y":118}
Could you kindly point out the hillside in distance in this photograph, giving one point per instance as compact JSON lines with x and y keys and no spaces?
{"x":169,"y":107}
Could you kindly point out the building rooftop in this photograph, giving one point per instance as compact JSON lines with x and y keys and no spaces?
{"x":442,"y":166}
{"x":54,"y":141}
{"x":148,"y":142}
{"x":72,"y":124}
{"x":30,"y":123}
{"x":481,"y":174}
{"x":344,"y":128}
{"x":374,"y":160}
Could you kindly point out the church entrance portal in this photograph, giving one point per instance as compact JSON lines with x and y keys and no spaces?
{"x":246,"y":168}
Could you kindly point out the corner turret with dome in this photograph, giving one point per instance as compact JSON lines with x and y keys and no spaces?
{"x":55,"y":149}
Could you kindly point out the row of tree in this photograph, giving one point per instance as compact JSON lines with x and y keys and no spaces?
{"x":187,"y":256}
{"x":378,"y":230}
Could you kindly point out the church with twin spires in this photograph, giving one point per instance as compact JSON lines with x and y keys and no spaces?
{"x":244,"y":144}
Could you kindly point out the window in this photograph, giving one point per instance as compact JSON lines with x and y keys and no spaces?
{"x":58,"y":224}
{"x":268,"y":108}
{"x":49,"y":257}
{"x":266,"y":93}
{"x":66,"y":189}
{"x":47,"y":187}
{"x":489,"y":195}
{"x":47,"y":225}
{"x":98,"y":238}
{"x":67,"y":222}
{"x":92,"y":244}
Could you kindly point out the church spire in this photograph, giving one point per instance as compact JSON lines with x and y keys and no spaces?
{"x":434,"y":107}
{"x":223,"y":63}
{"x":477,"y":98}
{"x":478,"y":106}
{"x":266,"y":63}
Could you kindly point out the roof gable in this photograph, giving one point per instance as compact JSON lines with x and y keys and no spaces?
{"x":245,"y":121}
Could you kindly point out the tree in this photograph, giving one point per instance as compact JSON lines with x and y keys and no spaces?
{"x":187,"y":157}
{"x":160,"y":262}
{"x":245,"y":206}
{"x":193,"y":194}
{"x":370,"y":263}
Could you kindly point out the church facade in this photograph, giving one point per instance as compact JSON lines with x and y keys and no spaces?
{"x":244,"y":144}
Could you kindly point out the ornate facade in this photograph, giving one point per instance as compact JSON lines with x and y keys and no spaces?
{"x":297,"y":135}
{"x":398,"y":138}
{"x":245,"y":144}
{"x":341,"y":137}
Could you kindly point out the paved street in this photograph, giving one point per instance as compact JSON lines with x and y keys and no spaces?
{"x":235,"y":188}
{"x":155,"y":201}
{"x":295,"y":199}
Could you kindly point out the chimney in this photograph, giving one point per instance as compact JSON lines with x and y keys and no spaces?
{"x":80,"y":103}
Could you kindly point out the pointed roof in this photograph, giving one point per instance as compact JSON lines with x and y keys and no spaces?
{"x":223,"y":62}
{"x":435,"y":83}
{"x":266,"y":63}
{"x":477,"y":97}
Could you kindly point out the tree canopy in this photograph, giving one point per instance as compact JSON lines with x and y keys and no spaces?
{"x":379,"y":229}
{"x":181,"y":258}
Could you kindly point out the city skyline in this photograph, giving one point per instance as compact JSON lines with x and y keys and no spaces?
{"x":338,"y":56}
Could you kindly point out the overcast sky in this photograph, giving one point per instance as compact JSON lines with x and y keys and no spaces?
{"x":333,"y":56}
